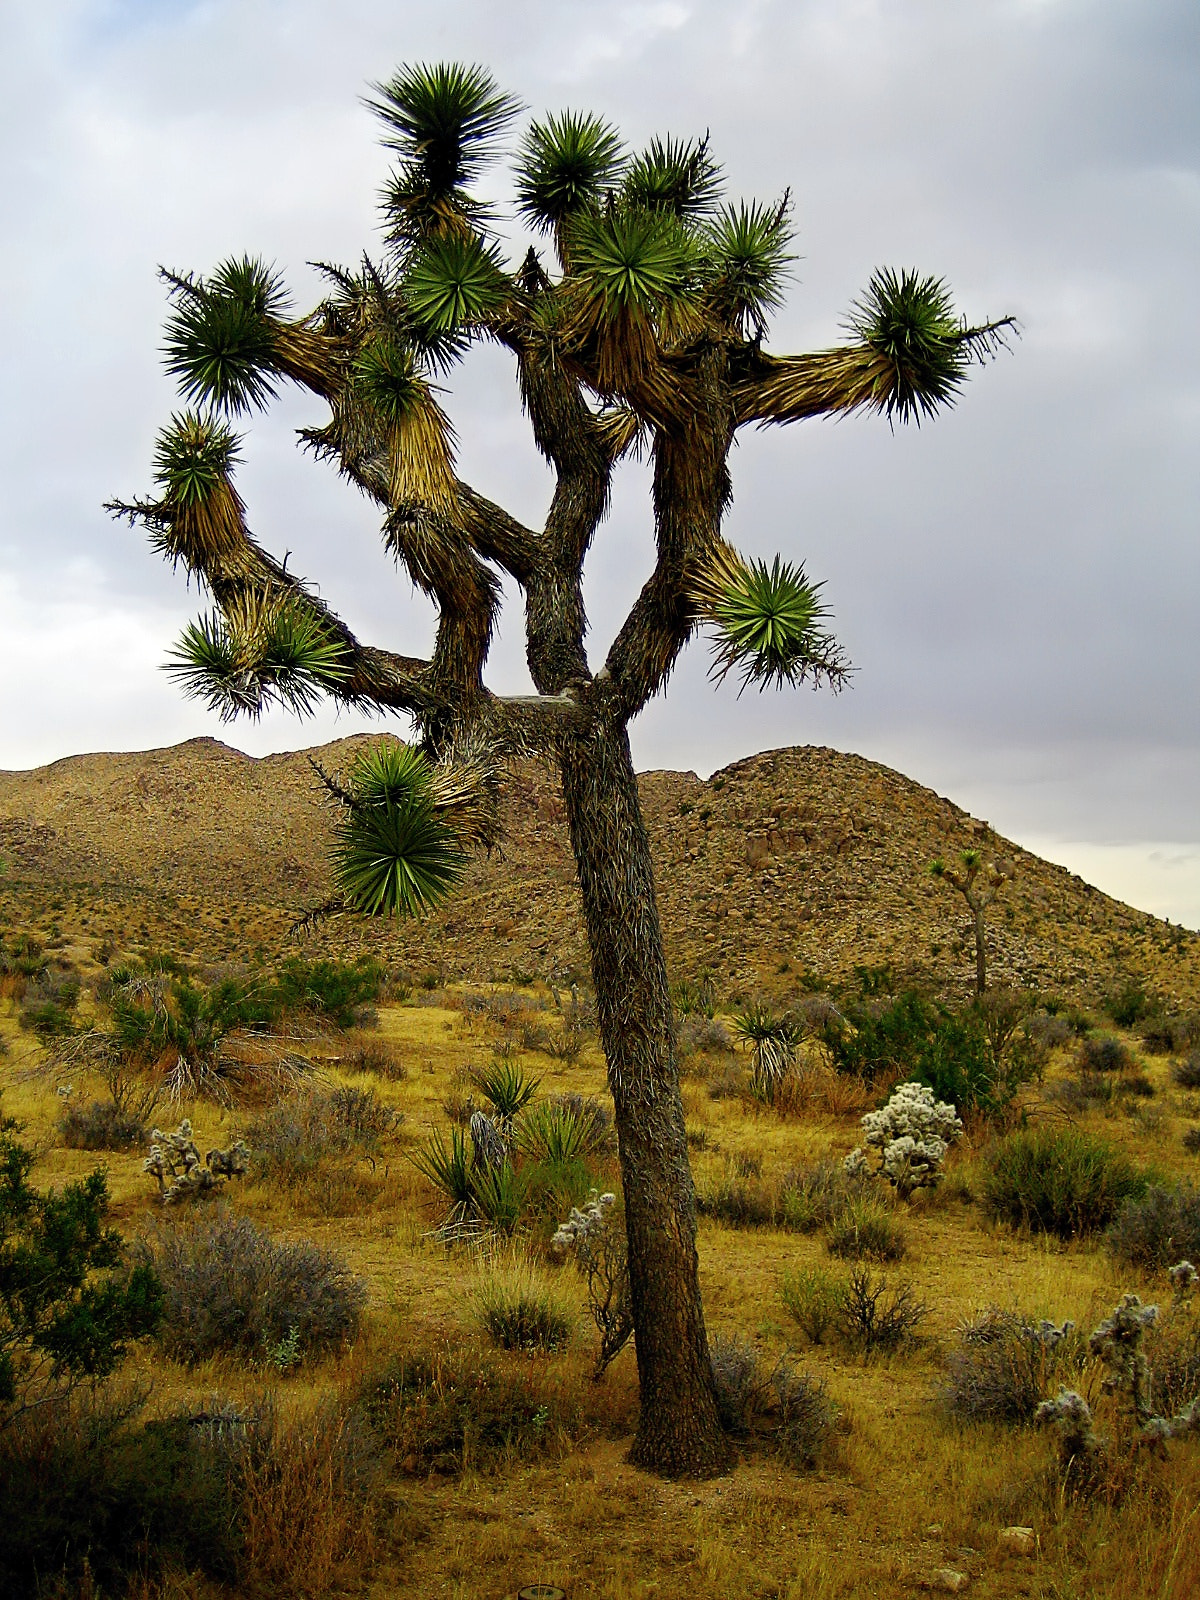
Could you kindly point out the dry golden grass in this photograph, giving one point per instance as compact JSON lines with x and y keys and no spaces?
{"x":906,"y":1493}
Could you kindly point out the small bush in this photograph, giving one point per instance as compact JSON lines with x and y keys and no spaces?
{"x":100,"y":1125}
{"x":1157,"y":1228}
{"x":1004,"y":1366}
{"x":1103,"y":1053}
{"x":696,"y":1034}
{"x":814,"y":1196}
{"x":812,"y":1296}
{"x":1191,"y":1141}
{"x":1082,"y":1093}
{"x":445,"y":1413}
{"x":377,"y":1056}
{"x":1128,"y":1004}
{"x":877,"y":1316}
{"x":291,"y":1140}
{"x":231,"y":1288}
{"x":1187,"y":1073}
{"x":48,"y":1008}
{"x":1057,"y":1180}
{"x":1171,"y":1035}
{"x":739,"y":1202}
{"x":788,"y":1408}
{"x":341,"y":992}
{"x":506,"y":1087}
{"x":519,"y":1311}
{"x":865,"y":1231}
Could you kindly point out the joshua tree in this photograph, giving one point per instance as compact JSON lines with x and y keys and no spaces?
{"x":978,"y":881}
{"x":638,"y":329}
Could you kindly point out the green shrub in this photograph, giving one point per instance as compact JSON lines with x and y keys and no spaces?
{"x":69,"y":1303}
{"x":341,"y":992}
{"x":506,"y":1087}
{"x":865,"y":1231}
{"x":739,"y":1202}
{"x":1057,"y":1180}
{"x":1187,"y":1073}
{"x":1103,"y":1053}
{"x":519,"y":1311}
{"x":231,"y":1288}
{"x":812,"y":1296}
{"x":48,"y":1008}
{"x":1128,"y":1004}
{"x":1158,"y":1227}
{"x":447,"y":1413}
{"x":1171,"y":1035}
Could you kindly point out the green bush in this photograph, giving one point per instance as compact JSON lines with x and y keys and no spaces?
{"x":1058,"y":1180}
{"x":48,"y":1008}
{"x":69,"y":1303}
{"x":100,"y":1125}
{"x":231,"y":1288}
{"x":519,"y":1311}
{"x":1187,"y":1073}
{"x":1157,"y":1228}
{"x":337,"y":991}
{"x":812,"y":1296}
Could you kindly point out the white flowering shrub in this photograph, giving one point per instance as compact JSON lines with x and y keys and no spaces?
{"x":174,"y":1162}
{"x":595,"y":1236}
{"x":910,"y":1135}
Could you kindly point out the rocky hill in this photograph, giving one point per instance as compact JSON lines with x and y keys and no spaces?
{"x":790,"y":866}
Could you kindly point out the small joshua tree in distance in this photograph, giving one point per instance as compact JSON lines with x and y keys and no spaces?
{"x":978,"y":881}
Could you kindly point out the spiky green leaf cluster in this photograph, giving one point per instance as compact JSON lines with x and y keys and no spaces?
{"x":220,"y":337}
{"x":395,"y":854}
{"x":241,"y":662}
{"x":676,"y":176}
{"x":909,"y":321}
{"x":564,"y":166}
{"x":768,"y":623}
{"x":454,"y":281}
{"x":388,"y":380}
{"x":193,"y":458}
{"x":747,"y":259}
{"x":634,"y":260}
{"x":443,"y":120}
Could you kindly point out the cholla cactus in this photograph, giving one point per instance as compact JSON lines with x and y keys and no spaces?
{"x":597,"y":1239}
{"x":911,"y":1134}
{"x":1183,"y":1277}
{"x":1118,"y":1343}
{"x":1070,"y":1413}
{"x":175,"y":1157}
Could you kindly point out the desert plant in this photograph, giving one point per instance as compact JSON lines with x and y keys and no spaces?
{"x":642,"y":330}
{"x":506,"y":1087}
{"x":231,"y":1288}
{"x":1057,"y":1180}
{"x":788,"y":1408}
{"x":865,"y":1231}
{"x":772,"y":1042}
{"x":978,"y":881}
{"x":1166,"y":1035}
{"x":336,"y":991}
{"x":593,"y":1235}
{"x":875,"y":1315}
{"x":1157,"y":1227}
{"x":1187,"y":1073}
{"x":48,"y":1006}
{"x":1191,"y":1140}
{"x":1004,"y":1364}
{"x":518,"y":1309}
{"x":292,"y":1138}
{"x":558,"y":1132}
{"x":812,"y":1297}
{"x":99,"y":1125}
{"x":446,"y":1413}
{"x":738,"y":1200}
{"x":175,"y":1165}
{"x":813,"y":1196}
{"x":70,"y":1305}
{"x":1103,"y":1053}
{"x":911,"y":1135}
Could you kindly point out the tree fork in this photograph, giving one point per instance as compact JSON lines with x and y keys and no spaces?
{"x":679,"y":1432}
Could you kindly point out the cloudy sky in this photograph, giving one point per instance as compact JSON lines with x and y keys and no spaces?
{"x":1017,"y":583}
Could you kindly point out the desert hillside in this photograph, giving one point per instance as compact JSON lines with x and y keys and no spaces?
{"x":792,"y":864}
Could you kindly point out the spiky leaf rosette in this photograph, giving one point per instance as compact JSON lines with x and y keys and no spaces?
{"x":444,"y":121}
{"x":909,"y":324}
{"x":261,"y":651}
{"x":453,"y":283}
{"x":395,"y":853}
{"x":221,"y":335}
{"x":201,"y":513}
{"x":767,"y":621}
{"x":747,"y":259}
{"x":676,"y":176}
{"x":564,"y":165}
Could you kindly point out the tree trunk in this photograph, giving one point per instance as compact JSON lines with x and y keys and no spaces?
{"x":679,"y":1433}
{"x":980,"y":947}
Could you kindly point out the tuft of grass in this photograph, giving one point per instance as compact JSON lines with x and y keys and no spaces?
{"x":812,"y":1297}
{"x":519,"y":1309}
{"x":788,"y":1409}
{"x":1058,"y":1180}
{"x":865,"y":1231}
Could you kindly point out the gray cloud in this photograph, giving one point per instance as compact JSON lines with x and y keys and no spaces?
{"x":1016,"y":583}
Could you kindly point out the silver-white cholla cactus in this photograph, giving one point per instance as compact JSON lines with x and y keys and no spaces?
{"x":911,"y":1136}
{"x":175,"y":1157}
